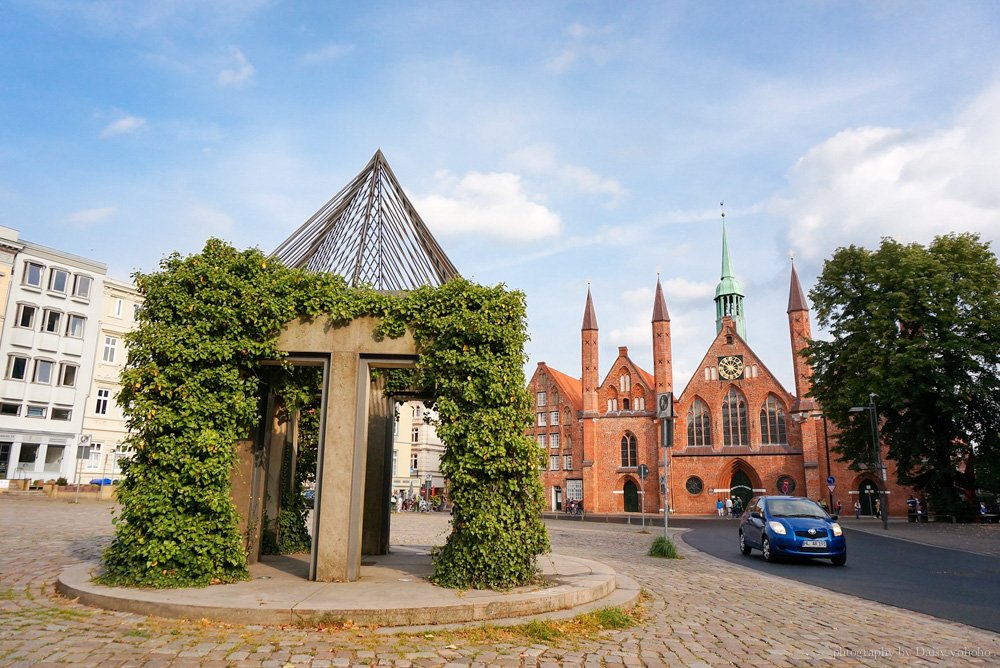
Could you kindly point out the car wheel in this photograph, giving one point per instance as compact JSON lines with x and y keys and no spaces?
{"x":839,"y":560}
{"x":744,"y":548}
{"x":765,"y":547}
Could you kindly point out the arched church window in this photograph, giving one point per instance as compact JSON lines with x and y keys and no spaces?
{"x":772,"y":422}
{"x":734,"y":419}
{"x":629,"y":450}
{"x":699,"y":424}
{"x":625,"y":382}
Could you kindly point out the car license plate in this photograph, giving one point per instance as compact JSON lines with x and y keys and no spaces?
{"x":814,"y":543}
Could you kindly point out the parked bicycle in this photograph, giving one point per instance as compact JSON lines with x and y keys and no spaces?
{"x":574,"y":507}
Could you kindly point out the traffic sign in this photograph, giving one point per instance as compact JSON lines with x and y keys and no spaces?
{"x":665,"y":405}
{"x":830,"y":480}
{"x":643,"y":471}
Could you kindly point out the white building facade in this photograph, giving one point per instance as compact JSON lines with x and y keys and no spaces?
{"x":47,"y":345}
{"x":416,"y":452}
{"x":104,"y":427}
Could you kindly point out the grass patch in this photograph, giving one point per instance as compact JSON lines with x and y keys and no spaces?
{"x":664,"y":548}
{"x":138,"y":633}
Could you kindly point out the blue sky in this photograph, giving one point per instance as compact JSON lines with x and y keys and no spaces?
{"x":545,"y":144}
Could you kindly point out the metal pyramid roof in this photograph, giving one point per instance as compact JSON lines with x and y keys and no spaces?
{"x":370,"y":234}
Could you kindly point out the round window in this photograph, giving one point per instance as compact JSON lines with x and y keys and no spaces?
{"x":785,"y":484}
{"x":694,"y":485}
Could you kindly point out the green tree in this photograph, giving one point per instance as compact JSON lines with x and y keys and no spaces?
{"x":919,"y":327}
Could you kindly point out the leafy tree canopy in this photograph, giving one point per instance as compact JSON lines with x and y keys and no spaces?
{"x":191,"y":390}
{"x":919,"y":327}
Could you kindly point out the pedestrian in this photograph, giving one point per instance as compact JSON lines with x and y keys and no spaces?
{"x":718,"y":507}
{"x":878,"y":508}
{"x":857,"y":510}
{"x":729,"y":507}
{"x":840,"y":507}
{"x":737,"y":507}
{"x":982,"y":508}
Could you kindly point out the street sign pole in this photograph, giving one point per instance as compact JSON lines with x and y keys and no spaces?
{"x":665,"y":411}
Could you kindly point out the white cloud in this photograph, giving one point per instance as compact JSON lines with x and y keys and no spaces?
{"x":239,"y":71}
{"x":682,"y":290}
{"x":870,"y":182}
{"x":540,"y":159}
{"x":124,"y":126}
{"x":208,"y":221}
{"x":88,"y":217}
{"x":584,"y":44}
{"x":492,"y":204}
{"x":326,"y":53}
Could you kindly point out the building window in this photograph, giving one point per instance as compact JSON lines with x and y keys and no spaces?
{"x":554,"y":440}
{"x":772,"y":422}
{"x":61,"y":414}
{"x":10,"y":409}
{"x":418,"y":412}
{"x":629,"y":449}
{"x":574,"y":490}
{"x":32,"y":274}
{"x":67,"y":374}
{"x":694,"y":485}
{"x":110,"y":349}
{"x":43,"y":372}
{"x":640,"y":403}
{"x":95,"y":456}
{"x":415,"y":435}
{"x":734,"y":419}
{"x":413,"y":463}
{"x":58,"y":280}
{"x":543,"y":419}
{"x":121,"y":452}
{"x":554,"y":463}
{"x":35,"y":411}
{"x":119,"y":307}
{"x":542,"y":440}
{"x":51,"y":321}
{"x":625,"y":382}
{"x":567,"y":462}
{"x":539,"y":398}
{"x":103,"y":396}
{"x":26,"y":316}
{"x":612,"y":405}
{"x":625,"y":404}
{"x":74,"y":326}
{"x":17,"y":367}
{"x":699,"y":424}
{"x":81,"y":286}
{"x":554,"y":418}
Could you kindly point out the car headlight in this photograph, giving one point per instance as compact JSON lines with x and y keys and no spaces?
{"x":837,"y":531}
{"x":776,"y":527}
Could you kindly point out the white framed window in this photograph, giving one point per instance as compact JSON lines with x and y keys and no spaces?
{"x":554,"y":440}
{"x":543,"y":419}
{"x":121,"y":452}
{"x":81,"y":286}
{"x":415,"y":435}
{"x":10,"y":409}
{"x":43,"y":372}
{"x":36,"y":411}
{"x":574,"y":490}
{"x":543,"y":440}
{"x":567,"y":462}
{"x":640,"y":403}
{"x":418,"y":412}
{"x":95,"y":456}
{"x":32,"y":274}
{"x":17,"y":367}
{"x":67,"y":374}
{"x":74,"y":326}
{"x":110,"y":349}
{"x":119,"y":307}
{"x":539,"y":398}
{"x":625,"y":382}
{"x":554,"y":418}
{"x":103,"y":396}
{"x":61,"y":414}
{"x":51,"y":320}
{"x":554,"y":463}
{"x":58,"y":280}
{"x":26,"y":316}
{"x":413,"y":462}
{"x":612,"y":405}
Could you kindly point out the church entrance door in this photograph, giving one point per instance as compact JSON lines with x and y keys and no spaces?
{"x":631,"y":497}
{"x":868,"y":493}
{"x":741,"y":487}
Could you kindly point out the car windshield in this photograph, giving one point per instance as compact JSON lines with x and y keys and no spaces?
{"x":795,"y":508}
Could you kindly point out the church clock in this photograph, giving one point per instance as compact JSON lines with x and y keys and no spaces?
{"x":731,"y":367}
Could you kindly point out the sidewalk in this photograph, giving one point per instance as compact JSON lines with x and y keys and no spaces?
{"x":977,"y":538}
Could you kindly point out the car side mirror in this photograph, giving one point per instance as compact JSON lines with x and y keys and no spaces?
{"x":756,"y":515}
{"x":834,"y":517}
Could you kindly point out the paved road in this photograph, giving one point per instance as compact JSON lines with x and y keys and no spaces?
{"x":950,"y":584}
{"x":701,"y":612}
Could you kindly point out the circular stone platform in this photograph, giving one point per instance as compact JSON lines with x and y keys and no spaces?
{"x":393,"y":591}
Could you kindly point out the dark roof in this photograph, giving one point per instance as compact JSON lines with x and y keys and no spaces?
{"x":589,"y":317}
{"x":796,"y":298}
{"x":660,"y":313}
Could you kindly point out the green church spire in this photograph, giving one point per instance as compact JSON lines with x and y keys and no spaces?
{"x":729,"y":293}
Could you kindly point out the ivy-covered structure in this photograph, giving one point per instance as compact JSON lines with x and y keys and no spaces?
{"x":233,"y":346}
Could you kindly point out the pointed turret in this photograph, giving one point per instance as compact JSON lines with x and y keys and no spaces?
{"x":801,"y":332}
{"x":729,"y":293}
{"x":663,"y":373}
{"x":589,"y":356}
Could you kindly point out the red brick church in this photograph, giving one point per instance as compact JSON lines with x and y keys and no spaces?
{"x":736,"y":431}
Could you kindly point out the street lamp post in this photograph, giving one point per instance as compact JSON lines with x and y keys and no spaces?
{"x":826,"y":448}
{"x":872,"y":411}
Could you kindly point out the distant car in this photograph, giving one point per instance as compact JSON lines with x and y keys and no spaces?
{"x":310,"y":497}
{"x":101,"y":481}
{"x":791,"y":526}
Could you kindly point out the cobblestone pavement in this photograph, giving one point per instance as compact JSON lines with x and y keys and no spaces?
{"x":702,"y":612}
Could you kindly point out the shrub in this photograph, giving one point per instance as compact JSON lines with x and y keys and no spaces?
{"x":61,"y":482}
{"x":664,"y":548}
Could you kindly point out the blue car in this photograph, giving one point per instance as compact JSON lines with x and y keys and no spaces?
{"x":791,"y":526}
